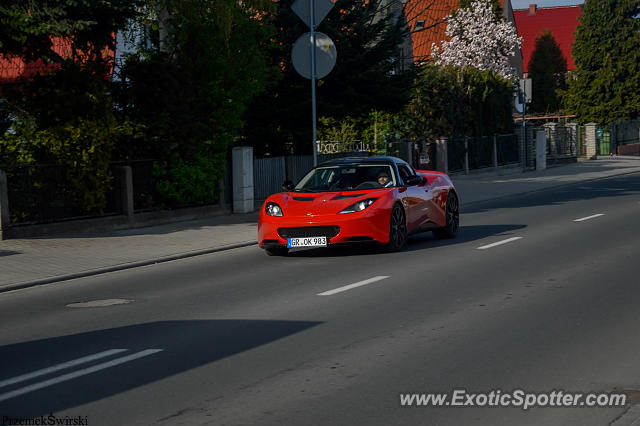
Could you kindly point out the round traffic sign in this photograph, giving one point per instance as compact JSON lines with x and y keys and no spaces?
{"x":326,"y":55}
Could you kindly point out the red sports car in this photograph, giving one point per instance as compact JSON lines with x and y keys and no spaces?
{"x":356,"y":200}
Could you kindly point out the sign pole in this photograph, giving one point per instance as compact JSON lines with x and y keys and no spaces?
{"x":313,"y":79}
{"x":524,"y":125}
{"x":324,"y":58}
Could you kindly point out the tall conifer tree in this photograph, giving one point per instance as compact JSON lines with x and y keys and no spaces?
{"x":606,"y":51}
{"x":547,"y":70}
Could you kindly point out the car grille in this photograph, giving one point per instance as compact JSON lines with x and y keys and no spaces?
{"x":309,"y":231}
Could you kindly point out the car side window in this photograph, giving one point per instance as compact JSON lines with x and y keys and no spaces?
{"x":404,"y":172}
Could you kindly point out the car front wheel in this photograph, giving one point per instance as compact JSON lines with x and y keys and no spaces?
{"x":397,"y":229}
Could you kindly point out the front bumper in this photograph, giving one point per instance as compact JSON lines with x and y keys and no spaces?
{"x":366,"y":226}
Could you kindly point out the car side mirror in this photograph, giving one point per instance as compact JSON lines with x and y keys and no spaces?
{"x":288,"y":186}
{"x":414,"y":180}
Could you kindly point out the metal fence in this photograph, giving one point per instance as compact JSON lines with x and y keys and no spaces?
{"x":300,"y":165}
{"x":145,"y":193}
{"x":508,"y":149}
{"x":268,"y":175}
{"x":456,"y":153}
{"x":562,"y":144}
{"x":481,"y":152}
{"x":422,"y":155}
{"x":43,"y":193}
{"x":625,"y":137}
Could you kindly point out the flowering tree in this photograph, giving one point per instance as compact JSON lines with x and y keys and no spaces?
{"x":478,"y":38}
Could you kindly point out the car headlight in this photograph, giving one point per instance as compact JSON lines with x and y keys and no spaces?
{"x":359,"y":206}
{"x":272,"y":209}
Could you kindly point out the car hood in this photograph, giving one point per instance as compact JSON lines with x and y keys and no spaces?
{"x":322,"y":203}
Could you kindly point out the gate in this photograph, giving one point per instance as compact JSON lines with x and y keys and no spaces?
{"x":604,"y":142}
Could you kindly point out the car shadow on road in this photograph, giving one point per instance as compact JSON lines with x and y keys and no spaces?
{"x":423,"y":241}
{"x":184,"y":345}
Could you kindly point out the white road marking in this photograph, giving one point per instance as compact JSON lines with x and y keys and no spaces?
{"x":99,"y":303}
{"x":58,"y":367}
{"x":588,"y":217}
{"x":354,"y":285}
{"x":79,"y":373}
{"x":499,"y":243}
{"x":600,"y":189}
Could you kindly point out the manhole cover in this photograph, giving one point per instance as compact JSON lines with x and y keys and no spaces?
{"x":99,"y":303}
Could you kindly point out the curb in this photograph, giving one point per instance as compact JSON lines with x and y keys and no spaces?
{"x":107,"y":269}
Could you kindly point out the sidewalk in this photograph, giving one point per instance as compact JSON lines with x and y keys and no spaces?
{"x":31,"y":261}
{"x":480,"y":187}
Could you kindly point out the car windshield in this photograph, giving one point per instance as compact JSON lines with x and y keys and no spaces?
{"x":347,"y":177}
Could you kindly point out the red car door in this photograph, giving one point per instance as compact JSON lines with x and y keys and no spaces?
{"x":436,"y":198}
{"x":414,"y":199}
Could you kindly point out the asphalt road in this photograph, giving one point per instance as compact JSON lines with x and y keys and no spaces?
{"x":238,"y":337}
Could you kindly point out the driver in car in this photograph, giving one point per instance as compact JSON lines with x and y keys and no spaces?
{"x":383,"y":179}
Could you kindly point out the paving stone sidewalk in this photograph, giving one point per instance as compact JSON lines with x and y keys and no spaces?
{"x":30,"y":261}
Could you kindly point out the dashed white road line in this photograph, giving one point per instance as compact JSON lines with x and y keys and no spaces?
{"x":600,"y":189}
{"x":58,"y":367}
{"x":79,"y":373}
{"x":499,"y":243}
{"x":588,"y":217}
{"x":354,"y":285}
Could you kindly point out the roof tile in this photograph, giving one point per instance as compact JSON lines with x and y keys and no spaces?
{"x":432,"y":12}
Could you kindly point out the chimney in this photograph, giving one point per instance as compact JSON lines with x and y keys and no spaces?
{"x":532,"y":9}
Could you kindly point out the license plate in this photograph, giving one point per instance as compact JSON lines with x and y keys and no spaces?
{"x":307,"y":242}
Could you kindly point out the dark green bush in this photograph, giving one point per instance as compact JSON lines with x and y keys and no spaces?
{"x":181,"y":184}
{"x":452,"y":101}
{"x":64,"y":119}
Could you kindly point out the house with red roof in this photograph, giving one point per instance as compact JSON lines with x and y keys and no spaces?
{"x":426,"y":21}
{"x":562,"y":21}
{"x":12,"y":68}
